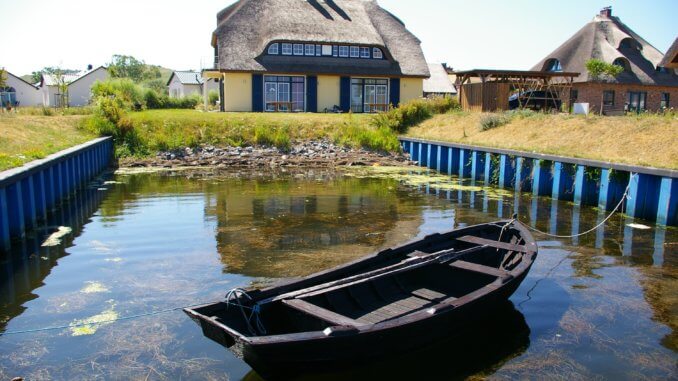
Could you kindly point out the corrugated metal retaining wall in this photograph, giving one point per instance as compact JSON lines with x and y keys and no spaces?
{"x":653,"y":192}
{"x":30,"y":192}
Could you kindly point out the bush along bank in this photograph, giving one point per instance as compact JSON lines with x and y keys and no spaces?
{"x":312,"y":153}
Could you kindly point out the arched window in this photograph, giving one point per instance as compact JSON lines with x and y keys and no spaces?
{"x":552,"y":64}
{"x":629,"y":43}
{"x":273,"y":49}
{"x":622,"y":62}
{"x":7,"y":96}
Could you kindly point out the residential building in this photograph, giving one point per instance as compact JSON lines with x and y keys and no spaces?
{"x":291,"y":55}
{"x":18,"y":92}
{"x":78,"y":87}
{"x":644,"y":83}
{"x":440,"y":83}
{"x":185,"y":83}
{"x":670,"y":60}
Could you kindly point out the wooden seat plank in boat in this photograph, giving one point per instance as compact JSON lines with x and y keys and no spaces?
{"x":492,"y":243}
{"x":474,"y":267}
{"x":322,"y":313}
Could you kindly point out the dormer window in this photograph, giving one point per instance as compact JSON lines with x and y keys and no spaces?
{"x":377,"y":53}
{"x":553,"y":65}
{"x":318,"y":50}
{"x":623,"y":63}
{"x":629,"y":43}
{"x":273,"y":49}
{"x":287,"y":49}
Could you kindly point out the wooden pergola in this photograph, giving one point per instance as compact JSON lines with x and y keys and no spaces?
{"x":489,"y":90}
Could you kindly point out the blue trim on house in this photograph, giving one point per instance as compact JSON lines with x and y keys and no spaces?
{"x":257,"y":92}
{"x":394,"y":90}
{"x":312,"y":93}
{"x":345,"y":94}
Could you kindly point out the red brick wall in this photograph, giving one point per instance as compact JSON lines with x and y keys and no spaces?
{"x":592,"y":93}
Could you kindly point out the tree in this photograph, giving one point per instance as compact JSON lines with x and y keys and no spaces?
{"x":599,"y":70}
{"x":3,"y":77}
{"x":59,"y":77}
{"x":127,"y":67}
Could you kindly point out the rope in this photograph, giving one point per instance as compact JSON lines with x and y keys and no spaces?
{"x":72,"y":325}
{"x":233,"y":298}
{"x":621,"y":202}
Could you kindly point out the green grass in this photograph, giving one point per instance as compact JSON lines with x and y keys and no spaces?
{"x":24,"y":138}
{"x":170,"y":129}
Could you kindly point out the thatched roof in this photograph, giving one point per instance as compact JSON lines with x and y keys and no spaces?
{"x":671,"y":57}
{"x":607,"y":38}
{"x":186,"y":77}
{"x":247,"y":27}
{"x":439,"y":82}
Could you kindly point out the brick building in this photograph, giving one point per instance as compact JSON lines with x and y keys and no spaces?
{"x":643,"y":85}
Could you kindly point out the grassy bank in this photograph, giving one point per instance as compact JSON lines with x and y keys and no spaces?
{"x":647,"y":140}
{"x":28,"y":137}
{"x":169,"y":129}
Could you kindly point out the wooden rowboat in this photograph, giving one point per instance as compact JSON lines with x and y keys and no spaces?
{"x":390,"y":302}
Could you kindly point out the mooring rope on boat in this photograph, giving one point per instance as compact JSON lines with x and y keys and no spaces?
{"x":616,"y":208}
{"x":232,"y":298}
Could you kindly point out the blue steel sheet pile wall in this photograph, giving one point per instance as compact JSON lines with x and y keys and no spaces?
{"x":653,"y":192}
{"x":30,"y":192}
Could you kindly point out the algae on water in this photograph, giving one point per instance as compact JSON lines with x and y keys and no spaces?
{"x":415,"y":176}
{"x":94,"y":287}
{"x":55,"y":238}
{"x":90,"y":325}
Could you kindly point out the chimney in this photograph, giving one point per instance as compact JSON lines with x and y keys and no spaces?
{"x":89,"y":67}
{"x":606,"y":12}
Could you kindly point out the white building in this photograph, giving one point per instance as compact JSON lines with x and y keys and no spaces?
{"x":79,"y":91}
{"x":185,"y":83}
{"x":18,"y":92}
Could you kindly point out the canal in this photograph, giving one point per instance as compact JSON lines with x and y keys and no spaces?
{"x":137,"y":244}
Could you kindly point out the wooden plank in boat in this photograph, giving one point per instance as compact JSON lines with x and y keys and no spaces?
{"x":428,"y":294}
{"x":469,"y":266}
{"x":491,"y":243}
{"x":321,"y":313}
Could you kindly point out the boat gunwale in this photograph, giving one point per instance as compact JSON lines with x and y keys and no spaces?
{"x":441,"y":308}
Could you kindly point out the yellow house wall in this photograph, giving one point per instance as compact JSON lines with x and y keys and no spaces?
{"x":411,"y":88}
{"x":237,"y":92}
{"x":328,"y":91}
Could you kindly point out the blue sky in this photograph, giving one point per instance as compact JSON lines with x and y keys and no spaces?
{"x":466,"y":34}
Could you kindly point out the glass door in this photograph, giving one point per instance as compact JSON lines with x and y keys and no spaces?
{"x":382,"y":98}
{"x":271,"y":94}
{"x":635,"y":101}
{"x":370,"y":98}
{"x":283,"y":97}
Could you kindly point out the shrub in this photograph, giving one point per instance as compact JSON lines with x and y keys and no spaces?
{"x":490,"y":121}
{"x":213,"y":97}
{"x":127,"y":94}
{"x":414,"y":112}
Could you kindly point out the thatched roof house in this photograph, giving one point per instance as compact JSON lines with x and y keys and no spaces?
{"x":643,"y":83}
{"x":338,"y":50}
{"x":440,"y":83}
{"x":670,"y":60}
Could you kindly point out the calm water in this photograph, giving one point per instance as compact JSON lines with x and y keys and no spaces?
{"x":601,"y":306}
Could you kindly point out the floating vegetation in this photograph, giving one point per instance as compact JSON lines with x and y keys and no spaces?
{"x":94,"y":287}
{"x":90,"y":325}
{"x":424,"y":177}
{"x":149,"y":170}
{"x":55,"y":238}
{"x":112,"y":182}
{"x":639,"y":226}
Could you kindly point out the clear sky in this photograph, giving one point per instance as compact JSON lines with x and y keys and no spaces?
{"x":509,"y":34}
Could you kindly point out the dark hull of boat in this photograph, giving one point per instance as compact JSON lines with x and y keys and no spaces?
{"x":271,"y":360}
{"x":391,"y":302}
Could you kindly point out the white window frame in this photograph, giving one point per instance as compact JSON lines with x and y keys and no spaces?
{"x":377,"y":53}
{"x":335,"y":51}
{"x":327,"y":50}
{"x":318,"y":50}
{"x":364,"y":52}
{"x":286,"y":49}
{"x":355,"y":51}
{"x":273,"y":48}
{"x":298,"y":49}
{"x":309,"y":50}
{"x":343,"y":51}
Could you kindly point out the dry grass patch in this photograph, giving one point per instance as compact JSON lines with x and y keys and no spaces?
{"x":28,"y":137}
{"x":647,"y":140}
